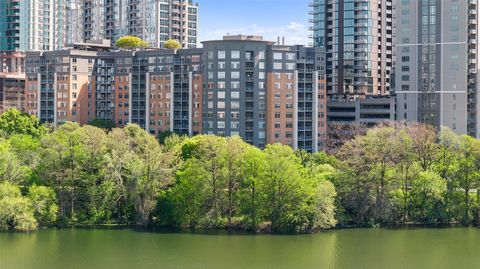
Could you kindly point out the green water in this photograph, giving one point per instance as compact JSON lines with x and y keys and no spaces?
{"x":456,"y":248}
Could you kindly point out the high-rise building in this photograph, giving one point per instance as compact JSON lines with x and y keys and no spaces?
{"x":35,"y":24}
{"x":357,"y":36}
{"x":155,"y":21}
{"x":437,"y":63}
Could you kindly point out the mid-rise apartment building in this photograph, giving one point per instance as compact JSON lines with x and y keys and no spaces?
{"x":242,"y":85}
{"x":263,"y":92}
{"x":155,"y":21}
{"x":35,"y":24}
{"x":437,"y":63}
{"x":357,"y":36}
{"x":12,"y":80}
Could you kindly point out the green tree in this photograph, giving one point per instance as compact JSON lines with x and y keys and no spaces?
{"x":130,"y":43}
{"x":11,"y":168}
{"x":447,"y":167}
{"x":172,"y":44}
{"x":428,"y":190}
{"x":44,"y":203}
{"x":368,"y":163}
{"x":16,"y":211}
{"x":252,"y":167}
{"x":233,"y":153}
{"x":61,"y":164}
{"x":151,"y":171}
{"x":467,"y":173}
{"x":284,"y":190}
{"x":323,"y":194}
{"x":13,"y":122}
{"x":206,"y":157}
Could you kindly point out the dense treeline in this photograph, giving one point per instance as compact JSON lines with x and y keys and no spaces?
{"x":125,"y":176}
{"x":401,"y":173}
{"x":74,"y":174}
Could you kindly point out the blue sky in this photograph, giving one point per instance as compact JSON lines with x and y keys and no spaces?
{"x":270,"y":18}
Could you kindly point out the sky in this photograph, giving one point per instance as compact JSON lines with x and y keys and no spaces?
{"x":270,"y":18}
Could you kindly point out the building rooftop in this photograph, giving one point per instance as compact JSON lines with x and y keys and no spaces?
{"x":243,"y":37}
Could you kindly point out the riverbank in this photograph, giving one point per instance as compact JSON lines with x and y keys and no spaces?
{"x":226,"y":231}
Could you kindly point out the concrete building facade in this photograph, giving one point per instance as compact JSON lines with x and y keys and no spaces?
{"x":242,"y":85}
{"x":437,"y":63}
{"x":263,"y":92}
{"x":12,"y":80}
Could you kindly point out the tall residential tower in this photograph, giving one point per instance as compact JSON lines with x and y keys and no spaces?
{"x":358,"y":38}
{"x":155,"y":21}
{"x":35,"y":24}
{"x":437,"y":63}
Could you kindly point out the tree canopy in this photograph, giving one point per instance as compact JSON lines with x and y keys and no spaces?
{"x":172,"y":44}
{"x":13,"y":122}
{"x":395,"y":173}
{"x":130,"y":42}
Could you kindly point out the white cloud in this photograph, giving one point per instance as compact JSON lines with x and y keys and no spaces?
{"x":295,"y":33}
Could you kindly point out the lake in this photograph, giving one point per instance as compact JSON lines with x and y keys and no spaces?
{"x":456,"y":248}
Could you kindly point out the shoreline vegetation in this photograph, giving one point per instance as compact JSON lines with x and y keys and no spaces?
{"x":84,"y":176}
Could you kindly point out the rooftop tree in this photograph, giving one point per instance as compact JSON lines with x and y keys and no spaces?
{"x":131,"y":42}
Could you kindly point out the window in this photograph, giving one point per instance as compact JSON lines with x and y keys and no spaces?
{"x":235,"y":85}
{"x":235,"y":95}
{"x":221,"y":105}
{"x":221,"y":65}
{"x":221,"y":95}
{"x":221,"y":54}
{"x":277,"y":65}
{"x":221,"y":75}
{"x":261,"y":55}
{"x":221,"y":125}
{"x":290,"y":56}
{"x":235,"y":54}
{"x":235,"y":75}
{"x":277,"y":56}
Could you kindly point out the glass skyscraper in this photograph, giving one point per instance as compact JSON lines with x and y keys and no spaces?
{"x":358,"y":38}
{"x":155,"y":21}
{"x":35,"y":24}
